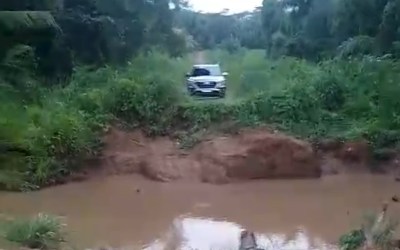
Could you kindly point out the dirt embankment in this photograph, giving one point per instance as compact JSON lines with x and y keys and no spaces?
{"x":251,"y":154}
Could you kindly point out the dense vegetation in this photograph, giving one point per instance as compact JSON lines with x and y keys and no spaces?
{"x":211,"y":30}
{"x":42,"y":43}
{"x":310,"y":29}
{"x":69,"y":69}
{"x":317,"y":29}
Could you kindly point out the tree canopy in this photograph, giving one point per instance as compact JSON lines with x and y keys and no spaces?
{"x":94,"y":32}
{"x":311,"y":29}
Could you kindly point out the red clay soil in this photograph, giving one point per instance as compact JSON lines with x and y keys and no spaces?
{"x":251,"y":154}
{"x":345,"y":157}
{"x":247,"y":155}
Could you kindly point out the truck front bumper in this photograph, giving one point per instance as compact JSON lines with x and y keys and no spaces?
{"x":220,"y":91}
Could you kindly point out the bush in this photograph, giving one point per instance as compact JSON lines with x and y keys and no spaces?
{"x":40,"y":232}
{"x":357,"y":46}
{"x":145,"y":104}
{"x":145,"y":97}
{"x":331,"y":91}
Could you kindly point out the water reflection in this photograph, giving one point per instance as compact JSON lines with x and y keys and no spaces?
{"x":205,"y":234}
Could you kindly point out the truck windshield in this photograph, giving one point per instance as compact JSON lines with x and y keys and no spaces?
{"x":206,"y":71}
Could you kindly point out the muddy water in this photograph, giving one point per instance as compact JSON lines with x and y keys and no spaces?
{"x":131,"y":211}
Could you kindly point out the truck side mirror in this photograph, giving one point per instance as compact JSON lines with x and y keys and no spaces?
{"x":187,"y":75}
{"x":225,"y":74}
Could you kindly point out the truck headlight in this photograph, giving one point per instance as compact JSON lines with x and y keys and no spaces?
{"x":220,"y":84}
{"x":190,"y":83}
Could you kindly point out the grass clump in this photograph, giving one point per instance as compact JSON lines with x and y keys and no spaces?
{"x":43,"y":232}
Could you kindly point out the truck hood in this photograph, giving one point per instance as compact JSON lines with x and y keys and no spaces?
{"x":207,"y":79}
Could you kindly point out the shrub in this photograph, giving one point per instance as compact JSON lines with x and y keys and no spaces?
{"x":152,"y":105}
{"x":331,"y":91}
{"x":356,"y":46}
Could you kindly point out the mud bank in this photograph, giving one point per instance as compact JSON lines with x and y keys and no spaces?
{"x":249,"y":155}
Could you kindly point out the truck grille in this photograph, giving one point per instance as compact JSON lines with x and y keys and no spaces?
{"x":206,"y":85}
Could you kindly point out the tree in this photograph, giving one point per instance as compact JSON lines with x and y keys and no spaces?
{"x":313,"y":29}
{"x":95,"y":32}
{"x":211,"y":30}
{"x":390,"y":26}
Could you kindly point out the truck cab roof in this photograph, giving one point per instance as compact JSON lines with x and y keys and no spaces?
{"x":205,"y":65}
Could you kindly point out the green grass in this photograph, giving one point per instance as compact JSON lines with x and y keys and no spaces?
{"x":250,"y":72}
{"x":43,"y":232}
{"x":65,"y":125}
{"x":59,"y":127}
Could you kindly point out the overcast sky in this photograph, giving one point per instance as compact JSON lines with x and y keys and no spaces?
{"x":234,"y":6}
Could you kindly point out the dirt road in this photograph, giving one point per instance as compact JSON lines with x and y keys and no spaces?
{"x":199,"y":57}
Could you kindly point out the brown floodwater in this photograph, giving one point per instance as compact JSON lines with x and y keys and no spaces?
{"x":131,"y":211}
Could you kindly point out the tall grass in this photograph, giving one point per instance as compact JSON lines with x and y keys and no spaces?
{"x":347,"y":99}
{"x":251,"y":73}
{"x":43,"y":232}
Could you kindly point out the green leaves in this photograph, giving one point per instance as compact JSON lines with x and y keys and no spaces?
{"x":313,"y":29}
{"x":352,"y":241}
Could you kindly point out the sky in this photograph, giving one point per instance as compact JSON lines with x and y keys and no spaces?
{"x":234,"y":6}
